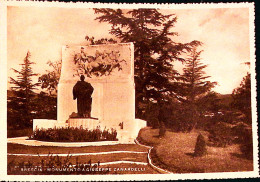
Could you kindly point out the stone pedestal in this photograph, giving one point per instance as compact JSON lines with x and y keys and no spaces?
{"x":84,"y":123}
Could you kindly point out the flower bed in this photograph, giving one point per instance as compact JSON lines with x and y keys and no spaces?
{"x":71,"y":134}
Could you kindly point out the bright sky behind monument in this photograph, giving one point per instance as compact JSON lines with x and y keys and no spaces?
{"x":42,"y":31}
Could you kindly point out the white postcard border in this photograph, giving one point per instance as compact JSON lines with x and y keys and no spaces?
{"x":3,"y":93}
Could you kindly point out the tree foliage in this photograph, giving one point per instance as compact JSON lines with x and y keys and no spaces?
{"x":194,"y":81}
{"x":50,"y":79}
{"x":155,"y":51}
{"x":242,"y":98}
{"x":194,"y":89}
{"x":93,"y":41}
{"x":21,"y":105}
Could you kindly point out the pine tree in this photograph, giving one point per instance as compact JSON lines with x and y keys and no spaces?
{"x":23,"y":87}
{"x":193,"y":86}
{"x":155,"y":51}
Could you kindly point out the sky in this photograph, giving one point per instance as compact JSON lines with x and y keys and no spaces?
{"x":224,"y":33}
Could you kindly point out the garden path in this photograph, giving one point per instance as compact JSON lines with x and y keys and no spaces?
{"x":26,"y":141}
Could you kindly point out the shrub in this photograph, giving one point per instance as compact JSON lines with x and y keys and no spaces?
{"x":183,"y":119}
{"x":241,"y":131}
{"x":74,"y":135}
{"x":221,"y":135}
{"x":200,"y":147}
{"x":247,"y":150}
{"x":246,"y":147}
{"x":162,"y":130}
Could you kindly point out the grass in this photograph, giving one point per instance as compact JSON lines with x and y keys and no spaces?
{"x":174,"y":152}
{"x":85,"y":159}
{"x":23,"y":149}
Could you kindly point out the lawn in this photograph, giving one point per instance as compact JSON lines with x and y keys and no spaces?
{"x":84,"y":159}
{"x":174,"y":152}
{"x":23,"y":149}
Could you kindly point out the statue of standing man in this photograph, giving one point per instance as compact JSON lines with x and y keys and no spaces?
{"x":82,"y":91}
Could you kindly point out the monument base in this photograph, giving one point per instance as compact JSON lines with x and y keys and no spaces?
{"x":84,"y":123}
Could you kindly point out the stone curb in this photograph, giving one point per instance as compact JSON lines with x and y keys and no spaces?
{"x":160,"y":170}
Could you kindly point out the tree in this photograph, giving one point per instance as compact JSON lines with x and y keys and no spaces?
{"x":242,"y":98}
{"x":92,"y":40}
{"x":193,"y":87}
{"x":45,"y":106}
{"x":21,"y":105}
{"x":50,"y":80}
{"x":155,"y":51}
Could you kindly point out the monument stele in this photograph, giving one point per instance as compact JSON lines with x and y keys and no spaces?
{"x":109,"y":68}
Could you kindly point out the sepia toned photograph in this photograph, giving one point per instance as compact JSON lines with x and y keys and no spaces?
{"x":130,"y":90}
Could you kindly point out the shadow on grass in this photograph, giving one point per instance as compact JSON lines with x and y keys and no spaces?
{"x":190,"y":154}
{"x":172,"y":167}
{"x":241,"y":156}
{"x":156,"y":136}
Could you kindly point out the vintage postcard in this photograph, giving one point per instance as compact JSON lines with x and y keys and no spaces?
{"x":94,"y":91}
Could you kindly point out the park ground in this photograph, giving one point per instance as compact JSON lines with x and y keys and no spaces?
{"x":173,"y":152}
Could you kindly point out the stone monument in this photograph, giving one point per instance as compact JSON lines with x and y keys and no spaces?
{"x":109,"y":69}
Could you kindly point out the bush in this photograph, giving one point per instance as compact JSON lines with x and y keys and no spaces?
{"x":221,"y":135}
{"x":246,"y":147}
{"x":200,"y":147}
{"x":183,"y":119}
{"x":241,"y":130}
{"x":162,"y":130}
{"x":74,"y":135}
{"x":247,"y":150}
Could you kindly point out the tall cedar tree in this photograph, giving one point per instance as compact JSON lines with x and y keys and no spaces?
{"x":155,"y":51}
{"x":242,"y":98}
{"x":194,"y":86}
{"x":22,"y":104}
